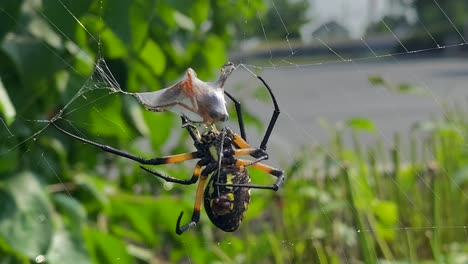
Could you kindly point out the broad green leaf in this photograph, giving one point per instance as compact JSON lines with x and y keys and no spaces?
{"x":200,"y":11}
{"x":29,"y":56}
{"x":136,"y":115}
{"x":166,"y":13}
{"x":67,"y":248}
{"x":25,"y":215}
{"x":112,"y":46}
{"x":106,"y":248}
{"x":214,"y":51}
{"x":137,"y":216}
{"x":71,"y":210}
{"x":160,"y":126}
{"x":141,"y":14}
{"x":386,"y":212}
{"x":6,"y":107}
{"x":153,"y":57}
{"x":141,"y":75}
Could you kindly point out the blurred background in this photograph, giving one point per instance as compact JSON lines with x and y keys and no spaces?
{"x":372,"y":134}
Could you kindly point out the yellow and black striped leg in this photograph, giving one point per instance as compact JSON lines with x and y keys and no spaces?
{"x":192,"y":180}
{"x":246,"y":149}
{"x":258,"y":153}
{"x":154,"y":161}
{"x":279,"y":174}
{"x":196,"y":209}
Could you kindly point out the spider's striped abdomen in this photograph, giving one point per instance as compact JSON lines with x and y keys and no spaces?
{"x":226,"y":205}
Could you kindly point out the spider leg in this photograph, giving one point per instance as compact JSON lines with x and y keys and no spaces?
{"x":279,"y":174}
{"x":274,"y":116}
{"x":246,"y":149}
{"x":194,"y":134}
{"x":153,"y":161}
{"x":192,"y":180}
{"x":240,"y":119}
{"x":198,"y":201}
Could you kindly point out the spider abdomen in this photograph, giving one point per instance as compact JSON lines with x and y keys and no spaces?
{"x":226,"y":205}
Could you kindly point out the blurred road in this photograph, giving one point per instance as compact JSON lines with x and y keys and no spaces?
{"x":338,"y":91}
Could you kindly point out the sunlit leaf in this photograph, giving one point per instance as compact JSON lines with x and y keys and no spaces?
{"x":67,"y":246}
{"x":386,"y":212}
{"x":184,"y":21}
{"x":12,"y":8}
{"x":112,"y":46}
{"x":153,"y":56}
{"x":361,"y":123}
{"x":200,"y":11}
{"x":6,"y":107}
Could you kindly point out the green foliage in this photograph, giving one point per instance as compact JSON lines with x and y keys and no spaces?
{"x":279,"y":14}
{"x":54,"y":55}
{"x":66,"y":202}
{"x":439,"y":16}
{"x":404,"y":88}
{"x":383,"y":25}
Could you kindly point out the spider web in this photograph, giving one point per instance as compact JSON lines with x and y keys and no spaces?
{"x":318,"y":96}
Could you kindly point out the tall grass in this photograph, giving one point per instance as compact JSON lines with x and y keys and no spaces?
{"x":368,"y":204}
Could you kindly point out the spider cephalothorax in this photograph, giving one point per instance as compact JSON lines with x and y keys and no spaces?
{"x":222,"y":176}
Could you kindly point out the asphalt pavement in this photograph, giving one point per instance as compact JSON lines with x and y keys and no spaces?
{"x":337,"y":91}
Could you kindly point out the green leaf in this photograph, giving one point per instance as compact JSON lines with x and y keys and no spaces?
{"x":461,"y":176}
{"x":141,"y":13}
{"x":200,"y":11}
{"x":117,"y":18}
{"x":12,"y":8}
{"x":361,"y":123}
{"x":29,"y":56}
{"x":71,"y":210}
{"x":183,"y":21}
{"x":106,"y":248}
{"x":62,"y":15}
{"x":153,"y":57}
{"x":160,"y":125}
{"x":403,"y":88}
{"x":25,"y":215}
{"x":376,"y":80}
{"x":9,"y":257}
{"x":6,"y":107}
{"x":67,"y":246}
{"x":214,"y":51}
{"x":107,"y":119}
{"x":386,"y":212}
{"x":111,"y":45}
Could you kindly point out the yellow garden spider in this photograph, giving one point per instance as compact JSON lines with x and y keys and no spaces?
{"x":227,"y":193}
